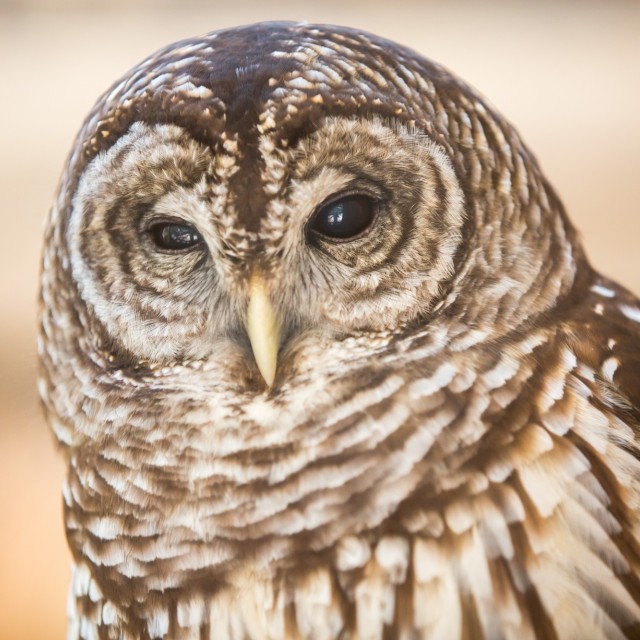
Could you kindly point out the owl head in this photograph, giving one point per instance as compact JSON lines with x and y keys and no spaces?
{"x":260,"y":237}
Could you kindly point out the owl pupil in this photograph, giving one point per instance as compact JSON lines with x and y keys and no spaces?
{"x":344,"y":219}
{"x":174,"y":236}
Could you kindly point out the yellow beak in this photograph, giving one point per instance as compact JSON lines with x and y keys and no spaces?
{"x":263,"y":328}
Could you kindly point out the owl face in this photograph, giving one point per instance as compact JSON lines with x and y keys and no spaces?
{"x":279,"y":259}
{"x":361,"y":224}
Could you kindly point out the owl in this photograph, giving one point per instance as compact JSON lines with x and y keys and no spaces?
{"x":326,"y":359}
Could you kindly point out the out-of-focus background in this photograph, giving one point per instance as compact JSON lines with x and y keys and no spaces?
{"x":566,"y":73}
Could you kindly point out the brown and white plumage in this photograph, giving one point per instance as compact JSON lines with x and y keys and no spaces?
{"x":449,"y":447}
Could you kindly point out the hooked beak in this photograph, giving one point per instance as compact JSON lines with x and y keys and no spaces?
{"x":263,"y":327}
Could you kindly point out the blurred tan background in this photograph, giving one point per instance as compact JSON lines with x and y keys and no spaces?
{"x":567,"y":74}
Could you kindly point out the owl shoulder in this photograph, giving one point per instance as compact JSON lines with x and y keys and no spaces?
{"x":603,"y":330}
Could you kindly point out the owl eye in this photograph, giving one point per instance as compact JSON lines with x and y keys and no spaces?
{"x":346,"y":218}
{"x":174,"y":236}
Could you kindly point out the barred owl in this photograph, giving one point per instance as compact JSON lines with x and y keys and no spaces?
{"x":326,"y":359}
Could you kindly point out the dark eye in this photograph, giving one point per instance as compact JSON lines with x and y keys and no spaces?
{"x":346,"y":218}
{"x":174,"y":236}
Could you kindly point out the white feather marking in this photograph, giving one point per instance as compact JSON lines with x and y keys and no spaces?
{"x":536,"y":441}
{"x":316,"y":614}
{"x":609,"y":367}
{"x":223,"y":617}
{"x":88,"y":629}
{"x":472,"y":572}
{"x":437,"y":607}
{"x":192,"y":91}
{"x":181,"y":63}
{"x":510,"y":503}
{"x":275,"y":621}
{"x":109,"y":614}
{"x":392,"y":554}
{"x":542,"y":489}
{"x":300,"y":83}
{"x":493,"y":529}
{"x":191,"y":611}
{"x":554,"y":383}
{"x":428,"y":386}
{"x":159,"y":80}
{"x":560,"y":418}
{"x":504,"y":370}
{"x":427,"y":522}
{"x":459,"y":517}
{"x":66,"y":493}
{"x":105,"y":528}
{"x":603,"y":291}
{"x":593,"y":425}
{"x":531,"y":342}
{"x":158,"y":623}
{"x":371,"y":598}
{"x":499,"y":469}
{"x":469,"y":339}
{"x":384,"y":390}
{"x":428,"y":560}
{"x":95,"y":594}
{"x":81,"y":580}
{"x":633,"y":313}
{"x":352,"y":553}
